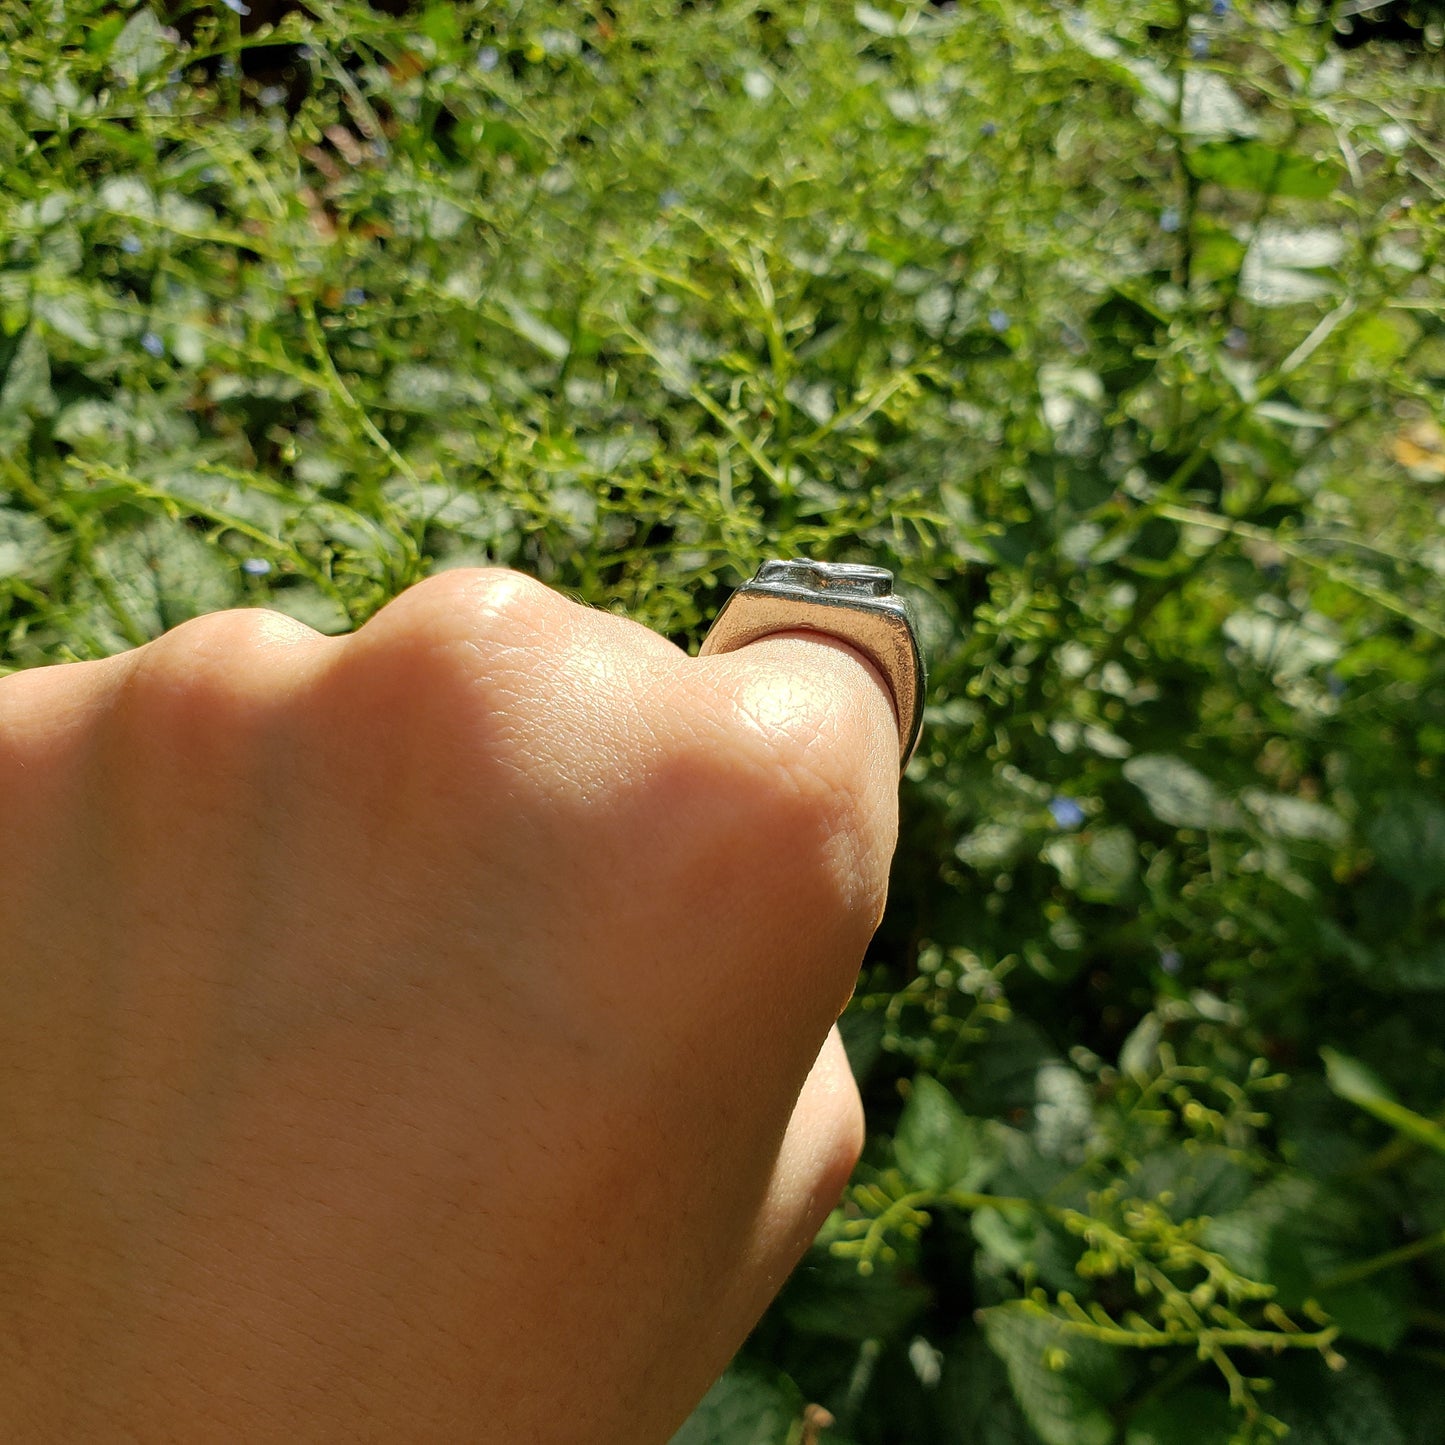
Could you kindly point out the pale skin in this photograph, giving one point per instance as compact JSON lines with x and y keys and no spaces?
{"x":426,"y":1034}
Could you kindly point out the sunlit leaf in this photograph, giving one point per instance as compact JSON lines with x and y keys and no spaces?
{"x":938,"y":1146}
{"x":1250,"y":165}
{"x":1352,"y":1080}
{"x":1178,"y":793}
{"x":1062,"y":1381}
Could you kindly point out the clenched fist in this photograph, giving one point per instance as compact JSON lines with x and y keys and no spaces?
{"x":426,"y":1034}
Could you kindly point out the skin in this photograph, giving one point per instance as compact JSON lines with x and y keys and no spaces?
{"x":425,"y":1034}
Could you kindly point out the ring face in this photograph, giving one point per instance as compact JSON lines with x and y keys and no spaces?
{"x":847,"y":600}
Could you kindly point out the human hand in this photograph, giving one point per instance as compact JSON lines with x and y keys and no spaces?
{"x":425,"y":1034}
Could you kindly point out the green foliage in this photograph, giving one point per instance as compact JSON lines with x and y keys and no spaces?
{"x":746,"y":1407}
{"x":1115,"y":331}
{"x":1351,"y":1080}
{"x":1063,"y":1384}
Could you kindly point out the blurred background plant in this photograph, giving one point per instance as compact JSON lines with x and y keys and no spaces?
{"x":1116,"y":331}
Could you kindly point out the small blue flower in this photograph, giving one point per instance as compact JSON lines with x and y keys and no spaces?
{"x":130,"y":245}
{"x":152,"y":344}
{"x":255,"y":566}
{"x":1199,"y":47}
{"x":669,"y":198}
{"x":237,"y":6}
{"x":1219,"y":9}
{"x":1236,"y":338}
{"x":272,"y":95}
{"x":488,"y":57}
{"x":1170,"y":960}
{"x":998,"y":319}
{"x":228,"y":67}
{"x":1169,"y":220}
{"x":354,"y":296}
{"x":1067,"y":813}
{"x":988,"y":128}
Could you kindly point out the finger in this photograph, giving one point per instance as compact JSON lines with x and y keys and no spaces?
{"x":820,"y":1147}
{"x":776,"y":833}
{"x":826,"y":716}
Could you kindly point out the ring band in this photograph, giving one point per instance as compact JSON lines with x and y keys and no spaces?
{"x":845,"y":600}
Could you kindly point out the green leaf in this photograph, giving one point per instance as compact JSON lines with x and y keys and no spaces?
{"x":991,"y":846}
{"x":530,"y":327}
{"x":497,"y":136}
{"x":309,"y":604}
{"x":71,"y":315}
{"x":1064,"y":1125}
{"x":1189,"y":1416}
{"x":1412,"y":968}
{"x":1139,"y":1053}
{"x":1352,"y":1080}
{"x":29,"y":550}
{"x":433,"y":390}
{"x":1217,"y":252}
{"x":748,"y":1406}
{"x":440,"y":23}
{"x":1211,"y":108}
{"x":141,"y":48}
{"x":1246,"y":1236}
{"x":1414,"y":1388}
{"x":1006,"y":1063}
{"x":1374,"y":1312}
{"x":1179,"y":794}
{"x":153,"y":577}
{"x":1121,"y":329}
{"x":100,"y":34}
{"x":975,"y":1403}
{"x":1100,"y":865}
{"x":1407,"y":837}
{"x":1285,"y":647}
{"x":1333,"y":1407}
{"x":1291,"y":416}
{"x":937,"y":1145}
{"x":1062,"y":1381}
{"x":25,"y":391}
{"x":1011,"y":1243}
{"x":1159,"y":92}
{"x":1250,"y":165}
{"x":1201,"y":1181}
{"x":1307,"y":248}
{"x":880,"y":22}
{"x":1282,"y":816}
{"x":1269,"y":286}
{"x":830,"y":1298}
{"x":1277,"y":267}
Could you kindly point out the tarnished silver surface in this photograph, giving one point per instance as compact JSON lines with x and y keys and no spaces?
{"x":845,"y":600}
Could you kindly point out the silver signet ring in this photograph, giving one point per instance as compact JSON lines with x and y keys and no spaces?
{"x":846,"y":600}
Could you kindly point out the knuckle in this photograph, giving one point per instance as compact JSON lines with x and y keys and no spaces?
{"x":462,"y":606}
{"x":225,"y":664}
{"x":444,"y":666}
{"x":454,"y":655}
{"x":42,"y":710}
